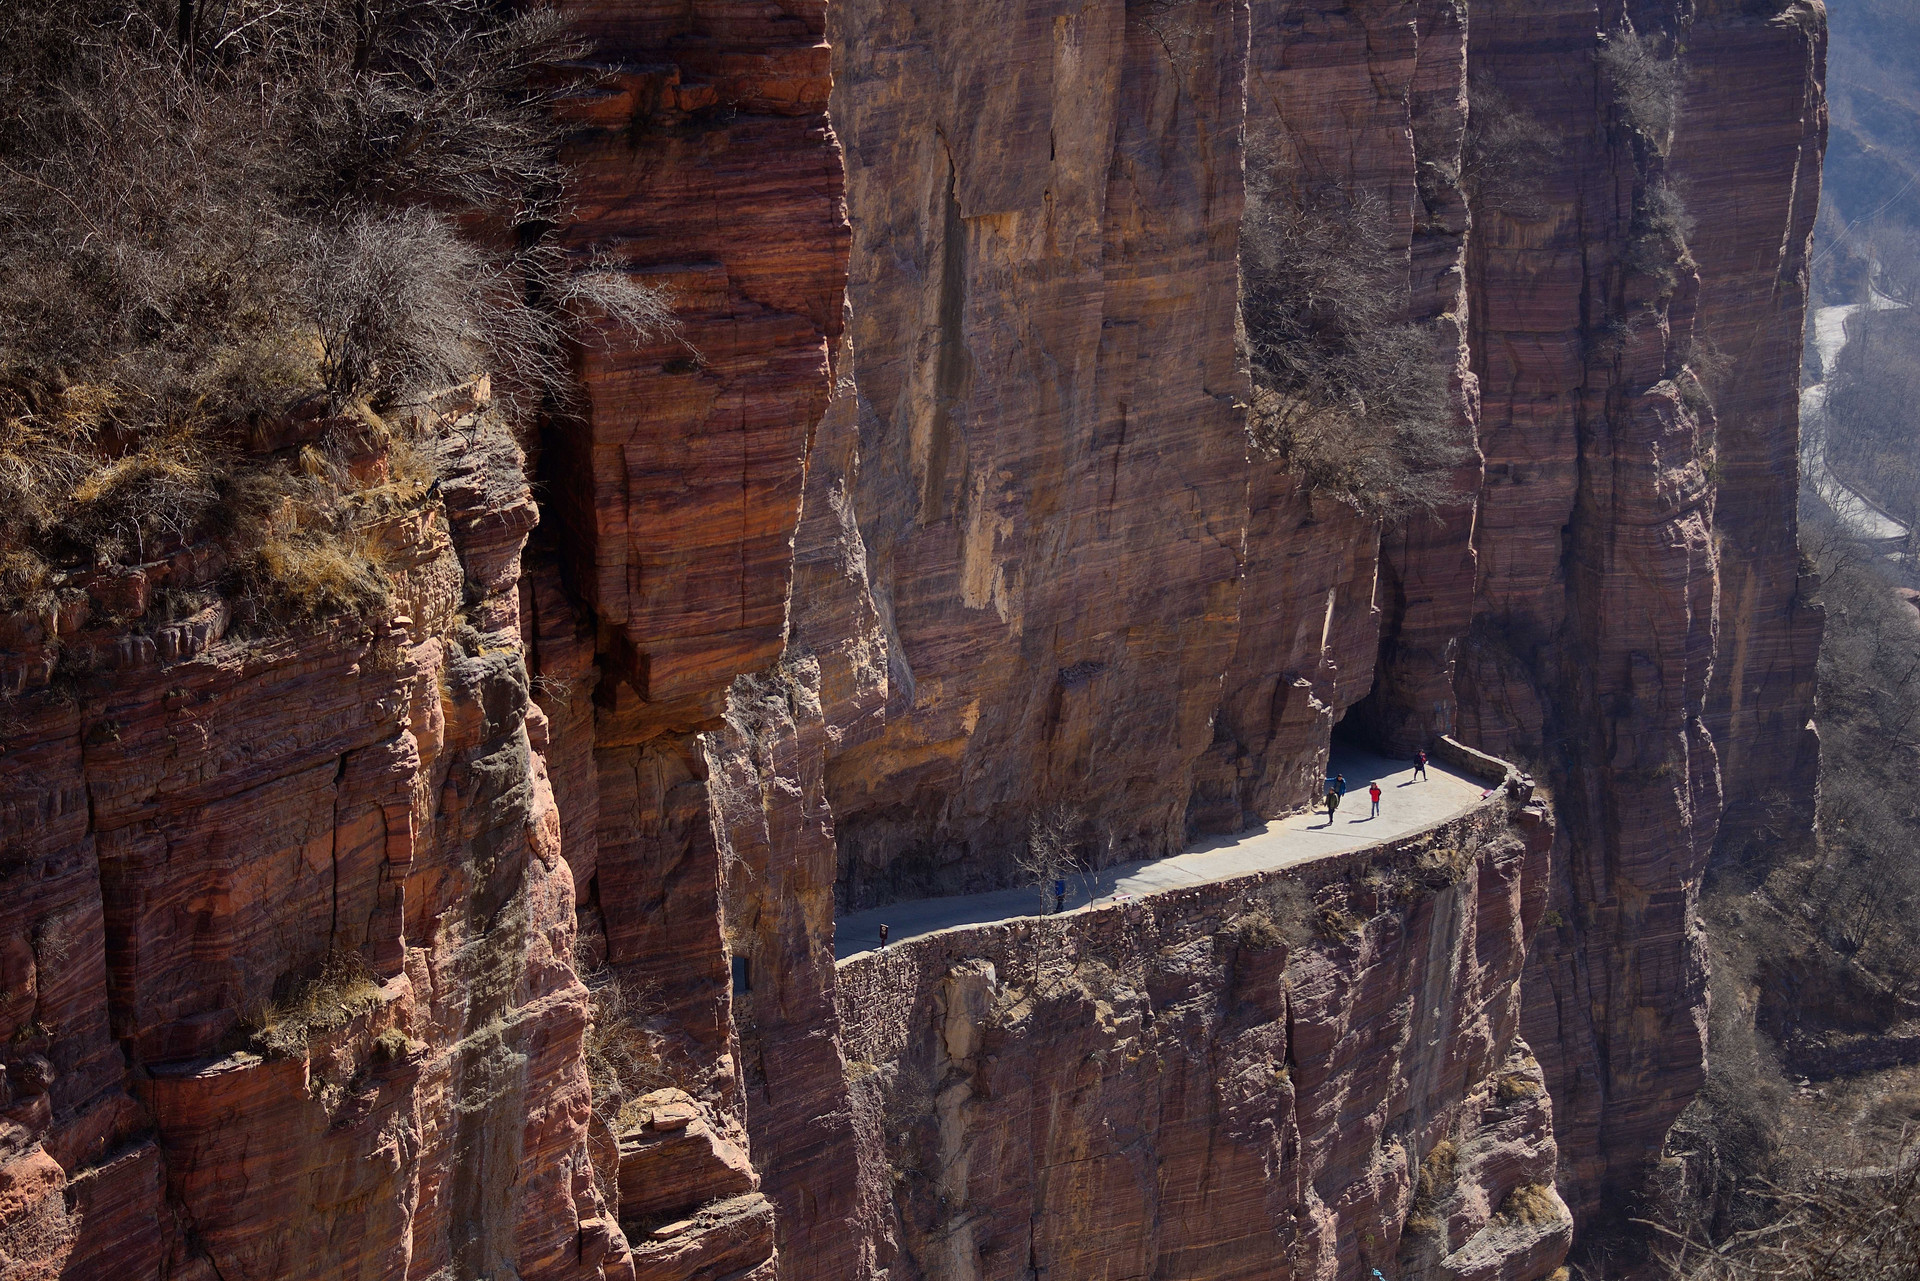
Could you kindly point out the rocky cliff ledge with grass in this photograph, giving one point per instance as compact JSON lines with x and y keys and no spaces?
{"x":452,"y":895}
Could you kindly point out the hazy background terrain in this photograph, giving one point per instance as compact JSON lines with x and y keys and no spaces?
{"x":1813,"y":1096}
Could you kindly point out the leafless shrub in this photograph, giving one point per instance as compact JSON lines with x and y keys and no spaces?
{"x":343,"y":989}
{"x":1657,"y":243}
{"x":1352,"y":396}
{"x":1507,"y":151}
{"x":1704,"y":369}
{"x":395,"y":301}
{"x":53,"y":938}
{"x":1645,"y":84}
{"x":553,"y":689}
{"x":1050,"y":853}
{"x":210,"y":213}
{"x":1852,"y":1225}
{"x":622,"y":1053}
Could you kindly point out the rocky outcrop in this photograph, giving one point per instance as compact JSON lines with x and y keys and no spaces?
{"x":1638,"y":610}
{"x":298,"y":936}
{"x":1748,"y":156}
{"x":1243,"y":1079}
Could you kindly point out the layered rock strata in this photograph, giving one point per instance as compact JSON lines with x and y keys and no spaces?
{"x":298,"y":937}
{"x":938,"y":515}
{"x":1640,"y":624}
{"x":1310,"y":1073}
{"x":1052,"y":484}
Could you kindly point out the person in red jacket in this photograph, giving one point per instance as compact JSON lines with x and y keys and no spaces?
{"x":1374,"y":792}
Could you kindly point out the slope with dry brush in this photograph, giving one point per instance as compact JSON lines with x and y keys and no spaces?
{"x":239,"y":244}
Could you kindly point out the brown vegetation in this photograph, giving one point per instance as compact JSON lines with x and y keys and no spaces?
{"x":1506,"y":154}
{"x":1645,"y":83}
{"x":343,"y":988}
{"x":1433,"y":1184}
{"x":1050,"y":853}
{"x":1347,"y":392}
{"x":622,"y":1054}
{"x":1833,"y":1225}
{"x":219,"y":223}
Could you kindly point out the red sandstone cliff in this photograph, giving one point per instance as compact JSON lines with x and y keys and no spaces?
{"x":938,"y":511}
{"x":1640,"y":624}
{"x":192,"y":825}
{"x":1305,"y":1074}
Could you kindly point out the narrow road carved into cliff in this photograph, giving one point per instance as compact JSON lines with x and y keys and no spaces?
{"x":1406,"y":805}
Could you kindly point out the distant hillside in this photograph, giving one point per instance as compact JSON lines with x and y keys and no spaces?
{"x":1873,"y":152}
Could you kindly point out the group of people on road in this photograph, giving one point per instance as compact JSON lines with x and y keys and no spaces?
{"x":1337,"y":788}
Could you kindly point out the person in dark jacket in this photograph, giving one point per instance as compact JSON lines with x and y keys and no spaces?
{"x":1420,"y":764}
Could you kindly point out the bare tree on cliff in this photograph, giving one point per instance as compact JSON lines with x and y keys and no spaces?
{"x":1856,"y":1225}
{"x":1049,"y":853}
{"x":1348,"y":393}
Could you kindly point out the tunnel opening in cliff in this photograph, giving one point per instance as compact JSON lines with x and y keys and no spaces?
{"x":1355,"y":732}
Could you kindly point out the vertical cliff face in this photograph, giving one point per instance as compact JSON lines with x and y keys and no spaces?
{"x":1052,"y":487}
{"x":1363,"y":106}
{"x":936,"y":515}
{"x":1638,"y":610}
{"x":1598,"y":590}
{"x":1288,"y":1075}
{"x":1753,"y":121}
{"x":298,"y":936}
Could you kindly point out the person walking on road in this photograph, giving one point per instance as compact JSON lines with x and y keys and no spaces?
{"x":1059,"y":896}
{"x":1333,"y":801}
{"x":1420,"y":764}
{"x":1374,"y":792}
{"x":883,"y":938}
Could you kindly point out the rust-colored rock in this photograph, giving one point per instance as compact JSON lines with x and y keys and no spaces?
{"x":1639,"y":620}
{"x":1237,"y":1080}
{"x":1052,"y":480}
{"x":726,"y":1241}
{"x":200,"y":833}
{"x":935,"y":514}
{"x":671,"y":1160}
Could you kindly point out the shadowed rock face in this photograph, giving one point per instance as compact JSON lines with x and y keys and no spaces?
{"x":1052,"y":479}
{"x":1641,"y":626}
{"x":939,"y":512}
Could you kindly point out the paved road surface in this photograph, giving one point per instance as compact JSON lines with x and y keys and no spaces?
{"x":1406,"y":806}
